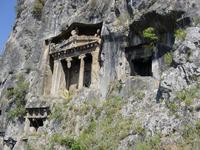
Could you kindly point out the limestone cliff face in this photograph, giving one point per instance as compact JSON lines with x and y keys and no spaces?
{"x":161,"y":106}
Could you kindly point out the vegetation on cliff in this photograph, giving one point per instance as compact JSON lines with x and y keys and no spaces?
{"x":16,"y":97}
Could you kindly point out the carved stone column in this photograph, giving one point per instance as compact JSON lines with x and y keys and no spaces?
{"x":27,"y":125}
{"x":1,"y":141}
{"x":95,"y":67}
{"x":68,"y":72}
{"x":57,"y":78}
{"x":69,"y":59}
{"x":46,"y":71}
{"x":81,"y":71}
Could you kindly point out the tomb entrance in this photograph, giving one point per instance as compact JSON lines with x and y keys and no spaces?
{"x":140,"y":60}
{"x":74,"y":58}
{"x":141,"y":66}
{"x":35,"y":118}
{"x":9,"y":143}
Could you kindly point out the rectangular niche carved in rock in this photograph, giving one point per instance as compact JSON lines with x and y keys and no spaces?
{"x":142,"y":67}
{"x":88,"y":69}
{"x":72,"y":73}
{"x":36,"y":117}
{"x":140,"y":60}
{"x":36,"y":122}
{"x":9,"y":143}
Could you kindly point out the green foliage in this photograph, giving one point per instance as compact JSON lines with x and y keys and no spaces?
{"x":57,"y":114}
{"x":104,"y":128}
{"x":17,"y":112}
{"x":37,"y":8}
{"x":140,"y":94}
{"x":187,"y":95}
{"x":107,"y":132}
{"x":191,"y":137}
{"x":150,"y":34}
{"x":67,"y":95}
{"x":168,"y":59}
{"x":197,"y":125}
{"x":18,"y":94}
{"x":10,"y":93}
{"x":180,"y":34}
{"x":142,"y":146}
{"x":66,"y":141}
{"x":150,"y":143}
{"x":172,"y":106}
{"x":139,"y":129}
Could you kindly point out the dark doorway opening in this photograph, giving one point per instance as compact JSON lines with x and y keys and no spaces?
{"x":141,"y":67}
{"x":66,"y":71}
{"x":88,"y":69}
{"x":72,"y":73}
{"x":36,"y":123}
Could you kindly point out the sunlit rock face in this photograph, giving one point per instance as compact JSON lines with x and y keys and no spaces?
{"x":129,"y":68}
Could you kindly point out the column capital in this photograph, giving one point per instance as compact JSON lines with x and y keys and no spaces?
{"x":99,"y":40}
{"x":69,"y":59}
{"x":81,"y":71}
{"x":81,"y":56}
{"x":96,"y":52}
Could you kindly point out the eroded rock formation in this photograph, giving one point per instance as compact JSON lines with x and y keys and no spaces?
{"x":101,"y":74}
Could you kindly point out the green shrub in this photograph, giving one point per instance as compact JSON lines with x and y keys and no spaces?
{"x":150,"y":34}
{"x":57,"y":113}
{"x":139,"y":129}
{"x":172,"y":106}
{"x":155,"y":142}
{"x":190,"y":136}
{"x":140,"y":94}
{"x":37,"y":8}
{"x":70,"y":143}
{"x":187,"y":95}
{"x":107,"y":132}
{"x":168,"y":59}
{"x":10,"y":93}
{"x":180,"y":34}
{"x":67,"y":95}
{"x":17,"y":112}
{"x":197,"y":125}
{"x":142,"y":146}
{"x":150,"y":143}
{"x":18,"y":94}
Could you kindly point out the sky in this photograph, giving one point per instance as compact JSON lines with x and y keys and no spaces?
{"x":7,"y":18}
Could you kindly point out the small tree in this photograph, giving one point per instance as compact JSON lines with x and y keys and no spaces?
{"x":180,"y":34}
{"x":37,"y":8}
{"x":168,"y":58}
{"x":150,"y":34}
{"x":18,"y":94}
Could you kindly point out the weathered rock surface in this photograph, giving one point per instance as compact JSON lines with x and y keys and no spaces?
{"x":135,"y":107}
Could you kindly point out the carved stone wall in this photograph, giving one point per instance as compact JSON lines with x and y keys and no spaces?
{"x":71,"y":63}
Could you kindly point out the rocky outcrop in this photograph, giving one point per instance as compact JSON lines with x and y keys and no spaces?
{"x":124,"y":110}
